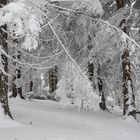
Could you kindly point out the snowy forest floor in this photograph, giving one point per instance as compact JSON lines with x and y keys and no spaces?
{"x":47,"y":120}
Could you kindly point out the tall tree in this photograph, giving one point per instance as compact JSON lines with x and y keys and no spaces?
{"x":100,"y":88}
{"x":17,"y":89}
{"x":3,"y":74}
{"x":91,"y":71}
{"x":53,"y":80}
{"x":29,"y":34}
{"x":128,"y":92}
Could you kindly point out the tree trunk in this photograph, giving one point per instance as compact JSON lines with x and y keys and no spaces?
{"x":90,"y":71}
{"x":91,"y":74}
{"x":31,"y":86}
{"x":53,"y":80}
{"x":16,"y":90}
{"x":128,"y":93}
{"x":101,"y":91}
{"x":4,"y":77}
{"x":127,"y":85}
{"x":19,"y":89}
{"x":120,"y":4}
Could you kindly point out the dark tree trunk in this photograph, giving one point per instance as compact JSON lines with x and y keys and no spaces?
{"x":53,"y":80}
{"x":120,"y":4}
{"x":16,"y":90}
{"x":90,"y":71}
{"x":99,"y":83}
{"x":101,"y":91}
{"x":19,"y":89}
{"x":31,"y":86}
{"x":127,"y":79}
{"x":4,"y":77}
{"x":91,"y":74}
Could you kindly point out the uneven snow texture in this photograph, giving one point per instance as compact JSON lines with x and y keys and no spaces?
{"x":47,"y":120}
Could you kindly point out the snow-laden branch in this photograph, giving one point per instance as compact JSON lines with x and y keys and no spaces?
{"x":63,"y":8}
{"x":16,"y":15}
{"x":38,"y":57}
{"x":97,"y":19}
{"x":64,"y":48}
{"x":100,"y":20}
{"x":51,"y":57}
{"x":50,"y":21}
{"x":46,"y":61}
{"x":119,"y":30}
{"x":25,"y":64}
{"x":33,"y":67}
{"x":54,"y":53}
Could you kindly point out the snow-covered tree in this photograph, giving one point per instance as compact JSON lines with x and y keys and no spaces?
{"x":4,"y":106}
{"x":128,"y":88}
{"x":72,"y":87}
{"x":17,"y":22}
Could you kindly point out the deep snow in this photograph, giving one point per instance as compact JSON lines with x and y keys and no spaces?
{"x":47,"y":120}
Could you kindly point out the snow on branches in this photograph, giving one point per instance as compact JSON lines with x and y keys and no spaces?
{"x":21,"y":23}
{"x":90,"y":6}
{"x":73,"y":88}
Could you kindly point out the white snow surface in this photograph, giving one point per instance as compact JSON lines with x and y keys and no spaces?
{"x":47,"y":120}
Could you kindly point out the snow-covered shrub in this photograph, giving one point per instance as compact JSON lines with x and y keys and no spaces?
{"x":74,"y":88}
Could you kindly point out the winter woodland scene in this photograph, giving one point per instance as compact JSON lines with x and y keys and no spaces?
{"x":69,"y":69}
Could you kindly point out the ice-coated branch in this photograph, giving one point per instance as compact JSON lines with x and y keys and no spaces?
{"x":68,"y":54}
{"x":97,"y":19}
{"x":25,"y":64}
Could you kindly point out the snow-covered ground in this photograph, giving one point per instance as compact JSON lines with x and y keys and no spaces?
{"x":47,"y":120}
